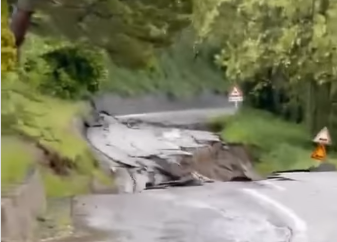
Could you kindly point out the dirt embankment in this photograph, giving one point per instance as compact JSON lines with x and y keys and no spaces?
{"x":222,"y":162}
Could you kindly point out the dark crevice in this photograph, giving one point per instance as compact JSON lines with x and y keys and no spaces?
{"x":241,"y":179}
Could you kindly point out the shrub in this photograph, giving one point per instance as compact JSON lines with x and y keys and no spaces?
{"x":74,"y":71}
{"x":66,"y":70}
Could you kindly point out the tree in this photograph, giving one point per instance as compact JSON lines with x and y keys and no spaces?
{"x":62,"y":68}
{"x":131,"y":31}
{"x":287,"y":45}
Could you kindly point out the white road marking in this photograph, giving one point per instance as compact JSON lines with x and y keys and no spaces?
{"x":270,"y":184}
{"x":299,"y":225}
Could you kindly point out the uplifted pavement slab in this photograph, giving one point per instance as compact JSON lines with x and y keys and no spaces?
{"x":144,"y":155}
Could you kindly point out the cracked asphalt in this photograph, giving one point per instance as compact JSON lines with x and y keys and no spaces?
{"x":147,"y":154}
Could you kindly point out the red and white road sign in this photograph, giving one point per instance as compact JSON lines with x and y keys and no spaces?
{"x":235,"y":95}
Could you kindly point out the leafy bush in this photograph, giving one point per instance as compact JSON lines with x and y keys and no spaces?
{"x":75,"y":71}
{"x":65,"y":70}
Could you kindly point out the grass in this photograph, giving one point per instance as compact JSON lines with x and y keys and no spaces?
{"x":279,"y":145}
{"x":58,"y":186}
{"x":16,"y":158}
{"x":51,"y":121}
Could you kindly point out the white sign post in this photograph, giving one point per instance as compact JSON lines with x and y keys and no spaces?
{"x":323,"y":137}
{"x":235,"y":96}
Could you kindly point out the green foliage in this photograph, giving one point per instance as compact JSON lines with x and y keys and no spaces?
{"x":58,"y":186}
{"x":281,"y":49}
{"x":64,"y":69}
{"x":48,"y":121}
{"x":277,"y":144}
{"x":8,"y":50}
{"x":75,"y":71}
{"x":13,"y":112}
{"x":288,"y":38}
{"x":16,"y":159}
{"x":24,"y":111}
{"x":176,"y":71}
{"x":130,"y":31}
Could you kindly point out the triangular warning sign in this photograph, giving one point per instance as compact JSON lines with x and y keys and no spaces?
{"x":236,"y":92}
{"x":323,"y":137}
{"x":319,"y":153}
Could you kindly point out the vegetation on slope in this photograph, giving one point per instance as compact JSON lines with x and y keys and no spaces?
{"x":37,"y":124}
{"x":282,"y":54}
{"x":176,"y":71}
{"x":52,"y":68}
{"x":16,"y":159}
{"x":275,"y":143}
{"x":149,"y":45}
{"x":46,"y":125}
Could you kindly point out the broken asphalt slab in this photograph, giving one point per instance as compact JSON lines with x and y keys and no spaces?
{"x":145,"y":155}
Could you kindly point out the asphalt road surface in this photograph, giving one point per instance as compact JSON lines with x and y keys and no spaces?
{"x":160,"y":108}
{"x":299,"y":210}
{"x":182,"y":117}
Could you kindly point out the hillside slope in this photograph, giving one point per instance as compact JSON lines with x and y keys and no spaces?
{"x":177,"y":70}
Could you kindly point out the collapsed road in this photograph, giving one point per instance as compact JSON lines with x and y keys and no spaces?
{"x":146,"y":156}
